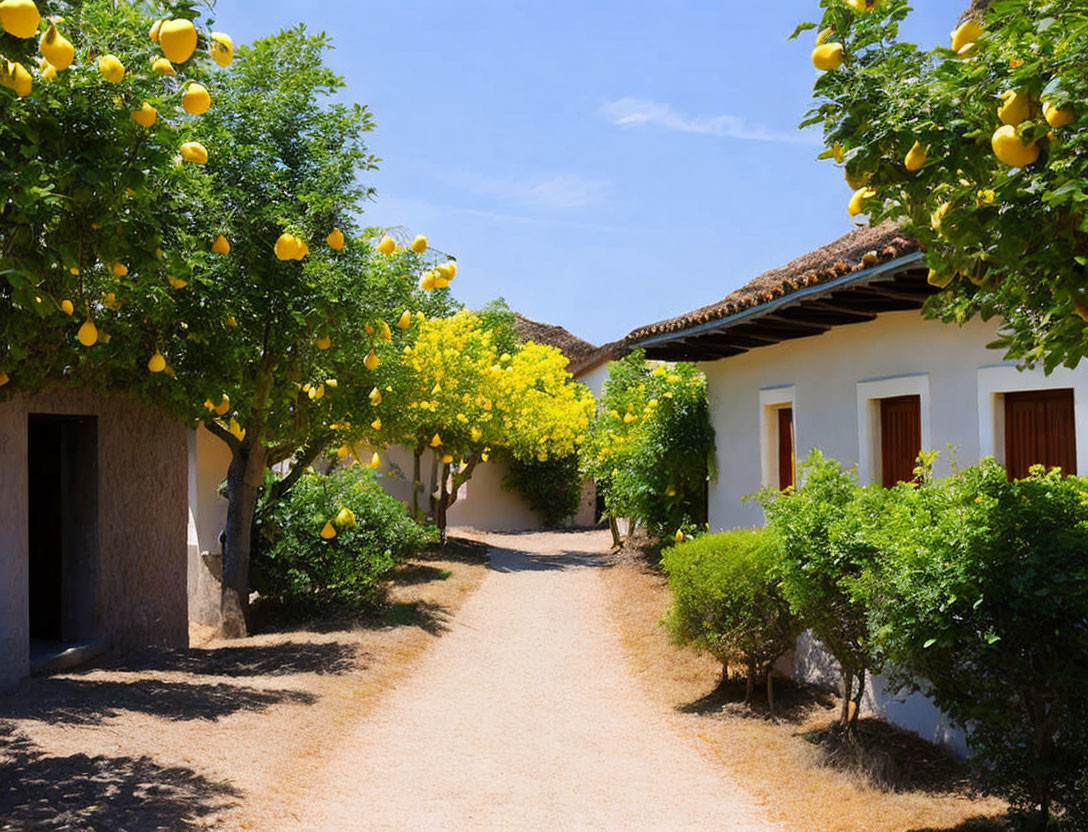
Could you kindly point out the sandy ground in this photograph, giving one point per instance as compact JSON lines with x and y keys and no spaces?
{"x":524,"y":716}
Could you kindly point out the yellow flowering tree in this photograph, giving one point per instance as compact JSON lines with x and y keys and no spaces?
{"x":469,"y":390}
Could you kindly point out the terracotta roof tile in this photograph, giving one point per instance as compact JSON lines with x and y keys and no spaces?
{"x":860,"y":249}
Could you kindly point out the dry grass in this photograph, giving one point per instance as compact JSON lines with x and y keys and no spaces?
{"x":772,"y":760}
{"x":225,"y":735}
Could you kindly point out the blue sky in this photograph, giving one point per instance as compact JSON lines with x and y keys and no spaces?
{"x":601,"y":164}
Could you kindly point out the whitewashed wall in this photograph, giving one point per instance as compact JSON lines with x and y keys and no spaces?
{"x":830,"y":379}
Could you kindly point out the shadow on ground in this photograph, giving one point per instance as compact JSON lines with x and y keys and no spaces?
{"x":793,"y":703}
{"x":982,"y":823}
{"x":285,"y":659}
{"x":513,"y":560}
{"x":102,"y":793}
{"x":83,"y":701}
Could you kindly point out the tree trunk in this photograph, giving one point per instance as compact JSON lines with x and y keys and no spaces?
{"x":614,"y":527}
{"x":434,"y":486}
{"x":245,"y":477}
{"x":857,"y":700}
{"x":440,"y":516}
{"x":847,"y":696}
{"x":417,"y":484}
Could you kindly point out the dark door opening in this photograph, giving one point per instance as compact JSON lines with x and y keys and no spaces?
{"x":1040,"y":429}
{"x":786,"y":463}
{"x":900,"y":438}
{"x":62,"y":483}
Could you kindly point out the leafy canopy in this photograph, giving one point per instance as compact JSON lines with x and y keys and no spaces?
{"x":1008,"y":242}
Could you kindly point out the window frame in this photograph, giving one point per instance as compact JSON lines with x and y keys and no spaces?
{"x":869,"y":394}
{"x":771,"y":400}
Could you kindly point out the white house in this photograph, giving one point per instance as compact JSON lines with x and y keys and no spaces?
{"x":831,"y":352}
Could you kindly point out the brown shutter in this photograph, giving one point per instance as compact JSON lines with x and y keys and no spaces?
{"x":785,"y":448}
{"x":1040,"y":430}
{"x":900,"y":438}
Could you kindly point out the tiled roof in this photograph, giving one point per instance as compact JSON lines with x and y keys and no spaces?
{"x":573,"y":347}
{"x":862,"y":248}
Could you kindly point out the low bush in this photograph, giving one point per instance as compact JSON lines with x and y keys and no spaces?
{"x":295,"y":562}
{"x":980,"y":600}
{"x":727,"y":601}
{"x":552,"y":488}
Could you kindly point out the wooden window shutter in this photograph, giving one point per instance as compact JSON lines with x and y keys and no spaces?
{"x":785,"y":448}
{"x":900,"y":438}
{"x":1040,"y":430}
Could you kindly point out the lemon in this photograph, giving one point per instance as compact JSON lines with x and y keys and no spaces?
{"x":335,"y":239}
{"x":967,"y":33}
{"x":223,"y":406}
{"x":111,"y":68}
{"x":916,"y":158}
{"x":427,"y":282}
{"x":196,"y":99}
{"x":419,"y":244}
{"x":441,"y":282}
{"x":1015,"y":108}
{"x":20,"y":18}
{"x":827,"y":56}
{"x":146,"y":115}
{"x":371,"y":361}
{"x":67,"y":307}
{"x":328,"y":532}
{"x":177,"y":282}
{"x":156,"y":363}
{"x":342,"y":451}
{"x":119,"y":269}
{"x":447,"y":458}
{"x":436,"y":441}
{"x":941,"y":282}
{"x":56,"y":48}
{"x":405,"y":320}
{"x":346,"y":517}
{"x":222,"y":46}
{"x":232,"y":322}
{"x":824,"y":35}
{"x":384,"y":331}
{"x":237,"y":430}
{"x":387,"y":245}
{"x":88,"y":334}
{"x":1010,"y":150}
{"x":446,"y":272}
{"x":1058,"y":118}
{"x":4,"y":379}
{"x":376,"y":424}
{"x":859,"y":197}
{"x":16,"y":77}
{"x":221,"y":245}
{"x":163,"y":67}
{"x":375,"y":396}
{"x":331,"y":382}
{"x":303,"y":250}
{"x":155,"y":27}
{"x":48,"y":71}
{"x":679,"y":536}
{"x":194,"y":152}
{"x":323,"y":342}
{"x":177,"y":39}
{"x":287,"y":247}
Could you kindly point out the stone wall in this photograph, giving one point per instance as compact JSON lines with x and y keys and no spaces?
{"x":141,"y":571}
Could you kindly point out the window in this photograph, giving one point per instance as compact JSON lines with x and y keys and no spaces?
{"x":900,"y":438}
{"x":786,"y":462}
{"x":1040,"y":430}
{"x":778,"y":437}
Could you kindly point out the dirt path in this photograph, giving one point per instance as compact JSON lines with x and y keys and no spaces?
{"x":524,"y":716}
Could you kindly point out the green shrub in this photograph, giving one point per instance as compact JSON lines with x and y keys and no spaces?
{"x":292,"y":561}
{"x":821,"y":526}
{"x":552,"y":488}
{"x":727,"y":601}
{"x":980,"y":600}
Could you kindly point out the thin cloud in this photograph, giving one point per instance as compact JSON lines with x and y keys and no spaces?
{"x":640,"y":112}
{"x":562,"y":192}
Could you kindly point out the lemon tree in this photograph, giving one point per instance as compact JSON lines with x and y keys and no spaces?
{"x":979,"y":148}
{"x":284,"y":311}
{"x":92,"y":135}
{"x":651,"y":450}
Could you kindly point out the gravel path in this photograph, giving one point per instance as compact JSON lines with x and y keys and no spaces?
{"x":525,"y":717}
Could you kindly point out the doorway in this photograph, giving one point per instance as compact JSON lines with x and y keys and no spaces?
{"x":62,"y":489}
